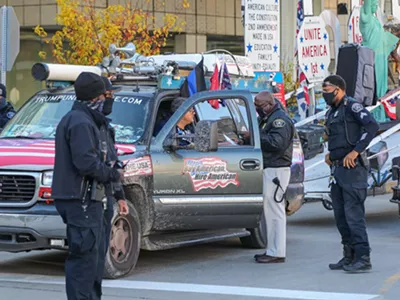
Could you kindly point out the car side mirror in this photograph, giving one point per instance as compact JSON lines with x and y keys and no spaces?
{"x":206,"y":136}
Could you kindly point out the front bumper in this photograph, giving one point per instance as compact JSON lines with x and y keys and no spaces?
{"x":24,"y":232}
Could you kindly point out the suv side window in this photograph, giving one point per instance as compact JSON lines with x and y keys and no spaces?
{"x":232,"y":119}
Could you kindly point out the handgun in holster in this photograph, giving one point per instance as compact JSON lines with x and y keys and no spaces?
{"x":363,"y":159}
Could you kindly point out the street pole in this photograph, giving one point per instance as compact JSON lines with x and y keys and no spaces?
{"x":3,"y":44}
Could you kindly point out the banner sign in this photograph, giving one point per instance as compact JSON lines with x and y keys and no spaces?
{"x":262,"y":34}
{"x":354,"y":33}
{"x":314,"y":51}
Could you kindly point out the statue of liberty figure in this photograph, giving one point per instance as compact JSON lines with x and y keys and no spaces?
{"x":383,"y":43}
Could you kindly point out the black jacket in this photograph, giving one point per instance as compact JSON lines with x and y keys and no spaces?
{"x":349,"y":127}
{"x":277,"y":133}
{"x":7,"y":112}
{"x":112,"y":155}
{"x":78,"y":153}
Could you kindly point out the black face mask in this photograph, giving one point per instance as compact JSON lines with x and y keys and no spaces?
{"x":107,"y":107}
{"x":261,"y":112}
{"x":329,"y":98}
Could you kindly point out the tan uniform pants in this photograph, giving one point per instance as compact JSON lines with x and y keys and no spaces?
{"x":275,"y":213}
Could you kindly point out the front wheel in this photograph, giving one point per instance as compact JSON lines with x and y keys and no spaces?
{"x":258,"y":236}
{"x":123,"y":252}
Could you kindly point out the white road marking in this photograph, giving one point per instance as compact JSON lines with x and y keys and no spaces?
{"x":206,"y":289}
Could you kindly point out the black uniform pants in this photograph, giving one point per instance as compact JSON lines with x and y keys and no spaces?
{"x":105,"y":243}
{"x":348,"y":196}
{"x":85,"y":227}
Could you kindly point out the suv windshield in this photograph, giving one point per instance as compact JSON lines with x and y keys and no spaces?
{"x":39,"y":117}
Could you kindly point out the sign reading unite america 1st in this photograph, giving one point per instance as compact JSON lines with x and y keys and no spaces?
{"x":314,"y":52}
{"x":262,"y":34}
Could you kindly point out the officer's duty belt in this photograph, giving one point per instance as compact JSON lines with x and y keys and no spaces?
{"x":339,"y":163}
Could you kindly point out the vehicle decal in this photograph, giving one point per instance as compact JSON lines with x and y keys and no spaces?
{"x":37,"y":152}
{"x":139,"y":166}
{"x":209,"y":173}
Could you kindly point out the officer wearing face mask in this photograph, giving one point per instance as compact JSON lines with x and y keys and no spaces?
{"x":276,"y":133}
{"x":80,"y":174}
{"x":349,"y":128}
{"x":7,"y":111}
{"x":114,"y":190}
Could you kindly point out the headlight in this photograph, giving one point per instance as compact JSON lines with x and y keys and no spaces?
{"x":47,"y":178}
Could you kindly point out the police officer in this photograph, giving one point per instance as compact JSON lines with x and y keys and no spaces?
{"x":350,"y":128}
{"x":79,"y":173}
{"x":276,"y":132}
{"x":7,"y":111}
{"x":114,"y":190}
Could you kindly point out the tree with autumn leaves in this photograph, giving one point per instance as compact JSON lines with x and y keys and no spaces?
{"x":87,"y":32}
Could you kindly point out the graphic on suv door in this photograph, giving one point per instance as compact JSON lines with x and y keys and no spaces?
{"x":209,"y":173}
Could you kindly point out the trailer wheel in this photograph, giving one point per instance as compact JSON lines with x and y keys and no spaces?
{"x":327,"y":204}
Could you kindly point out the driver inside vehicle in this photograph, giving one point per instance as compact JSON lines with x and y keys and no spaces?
{"x":185,"y":125}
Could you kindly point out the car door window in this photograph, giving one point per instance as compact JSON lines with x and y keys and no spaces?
{"x":232,"y":119}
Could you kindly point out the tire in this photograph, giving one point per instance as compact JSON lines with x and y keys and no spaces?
{"x":258,"y":236}
{"x":120,"y":262}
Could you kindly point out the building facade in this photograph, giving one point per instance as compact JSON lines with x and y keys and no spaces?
{"x":210,"y":24}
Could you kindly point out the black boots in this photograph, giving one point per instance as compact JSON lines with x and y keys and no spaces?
{"x":348,"y":256}
{"x":360,"y":265}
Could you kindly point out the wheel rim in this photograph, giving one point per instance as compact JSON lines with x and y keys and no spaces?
{"x":121,"y":240}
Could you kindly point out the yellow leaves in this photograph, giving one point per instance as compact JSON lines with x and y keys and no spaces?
{"x":42,"y":54}
{"x":186,"y":4}
{"x":39,"y":30}
{"x":86,"y":34}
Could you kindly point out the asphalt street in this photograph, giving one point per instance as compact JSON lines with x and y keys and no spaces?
{"x":225,"y":270}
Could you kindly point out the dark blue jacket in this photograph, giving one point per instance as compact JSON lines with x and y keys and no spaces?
{"x":78,"y":153}
{"x":349,"y":127}
{"x":7,"y":112}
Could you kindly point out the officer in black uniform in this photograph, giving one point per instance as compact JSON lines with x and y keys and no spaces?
{"x":276,"y":133}
{"x":7,"y":111}
{"x":80,"y":172}
{"x":350,"y":128}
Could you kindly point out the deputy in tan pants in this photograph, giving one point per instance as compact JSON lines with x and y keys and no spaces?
{"x":276,"y":133}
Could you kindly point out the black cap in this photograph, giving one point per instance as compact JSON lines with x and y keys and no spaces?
{"x":108,"y":84}
{"x":3,"y":90}
{"x":89,"y":86}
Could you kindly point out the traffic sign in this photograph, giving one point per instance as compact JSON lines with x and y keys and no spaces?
{"x":314,"y":51}
{"x":10,"y":39}
{"x":354,"y":33}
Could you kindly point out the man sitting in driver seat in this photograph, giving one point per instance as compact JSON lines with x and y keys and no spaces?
{"x":185,"y":125}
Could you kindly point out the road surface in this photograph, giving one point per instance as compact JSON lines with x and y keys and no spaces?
{"x":225,"y":270}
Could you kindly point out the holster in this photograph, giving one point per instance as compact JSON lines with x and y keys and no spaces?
{"x":363,"y":159}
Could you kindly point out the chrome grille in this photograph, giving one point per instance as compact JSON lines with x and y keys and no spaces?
{"x":17,"y":188}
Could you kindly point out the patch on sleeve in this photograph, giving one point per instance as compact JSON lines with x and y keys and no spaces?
{"x":10,"y":114}
{"x":357,"y":107}
{"x":279,"y":123}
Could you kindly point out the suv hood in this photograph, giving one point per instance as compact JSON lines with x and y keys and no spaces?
{"x":35,"y":155}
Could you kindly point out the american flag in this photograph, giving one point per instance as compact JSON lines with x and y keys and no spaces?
{"x":300,"y":19}
{"x":389,"y":102}
{"x":209,"y":173}
{"x":301,"y":76}
{"x":15,"y":152}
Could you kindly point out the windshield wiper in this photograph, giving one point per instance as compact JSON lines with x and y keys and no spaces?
{"x":18,"y":137}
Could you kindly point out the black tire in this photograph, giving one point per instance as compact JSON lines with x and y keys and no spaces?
{"x":117,"y":263}
{"x":258,"y":236}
